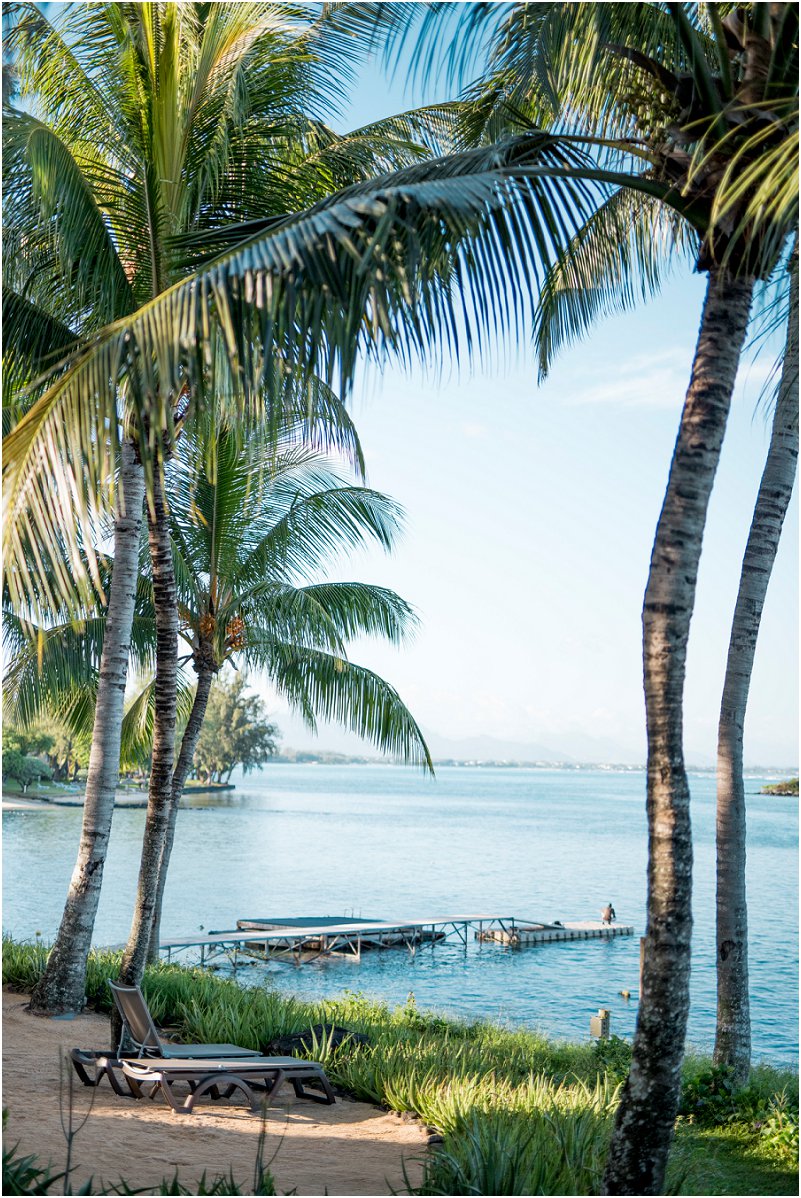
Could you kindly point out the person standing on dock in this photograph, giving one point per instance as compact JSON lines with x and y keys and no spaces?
{"x":608,"y":913}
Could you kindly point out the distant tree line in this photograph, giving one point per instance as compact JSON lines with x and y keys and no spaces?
{"x":44,"y":752}
{"x":236,"y":731}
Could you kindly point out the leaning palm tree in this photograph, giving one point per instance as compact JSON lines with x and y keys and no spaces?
{"x":247,"y":531}
{"x":141,"y":122}
{"x":619,"y":259}
{"x":733,"y":1026}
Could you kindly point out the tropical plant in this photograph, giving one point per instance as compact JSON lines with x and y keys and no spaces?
{"x":136,"y":124}
{"x":247,"y":533}
{"x":236,"y":732}
{"x":704,"y":101}
{"x":733,"y":1025}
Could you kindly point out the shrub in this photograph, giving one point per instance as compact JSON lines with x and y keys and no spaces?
{"x":613,"y":1056}
{"x":778,"y":1131}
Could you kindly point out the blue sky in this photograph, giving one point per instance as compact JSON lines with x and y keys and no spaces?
{"x":531,"y":513}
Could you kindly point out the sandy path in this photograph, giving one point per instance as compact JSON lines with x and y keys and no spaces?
{"x":349,"y":1148}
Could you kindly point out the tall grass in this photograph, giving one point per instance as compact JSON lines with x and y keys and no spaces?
{"x":551,"y":1151}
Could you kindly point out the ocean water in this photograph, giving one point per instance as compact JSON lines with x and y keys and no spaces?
{"x":385,"y":842}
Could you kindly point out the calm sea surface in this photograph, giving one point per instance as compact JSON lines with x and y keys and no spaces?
{"x":383,"y":842}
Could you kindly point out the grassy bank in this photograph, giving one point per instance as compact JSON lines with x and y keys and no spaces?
{"x":517,"y":1113}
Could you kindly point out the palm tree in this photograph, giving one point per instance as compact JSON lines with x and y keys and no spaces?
{"x":707,"y":101}
{"x":157,"y":122}
{"x":246,"y":532}
{"x":144,"y":122}
{"x":618,"y":259}
{"x":733,"y":1028}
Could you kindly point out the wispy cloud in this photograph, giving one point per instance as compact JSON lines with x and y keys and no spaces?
{"x":652,"y":381}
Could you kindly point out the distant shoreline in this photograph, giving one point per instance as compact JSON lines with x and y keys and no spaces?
{"x":132,"y":797}
{"x":309,"y":758}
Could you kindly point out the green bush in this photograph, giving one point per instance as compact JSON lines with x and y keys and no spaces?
{"x":778,"y":1130}
{"x":552,"y":1152}
{"x":613,"y":1056}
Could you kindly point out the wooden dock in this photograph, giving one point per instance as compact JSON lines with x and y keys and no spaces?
{"x":304,"y":939}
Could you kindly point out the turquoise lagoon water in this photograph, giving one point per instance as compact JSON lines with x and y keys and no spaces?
{"x":385,"y":842}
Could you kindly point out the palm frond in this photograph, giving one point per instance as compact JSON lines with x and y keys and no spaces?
{"x":616,"y":261}
{"x":323,"y":686}
{"x":136,"y":738}
{"x":32,"y":340}
{"x":327,"y":615}
{"x":384,"y":268}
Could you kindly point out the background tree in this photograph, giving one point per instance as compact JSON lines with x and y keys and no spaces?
{"x":18,"y":767}
{"x":236,"y":732}
{"x":32,"y":741}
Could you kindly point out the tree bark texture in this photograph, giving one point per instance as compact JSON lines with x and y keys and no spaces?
{"x":182,"y":768}
{"x":644,"y":1124}
{"x":165,"y":603}
{"x":733,"y":1029}
{"x":63,"y":985}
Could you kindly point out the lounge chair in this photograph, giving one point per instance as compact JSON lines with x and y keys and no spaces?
{"x":137,"y":1023}
{"x":256,"y":1077}
{"x":205,"y":1067}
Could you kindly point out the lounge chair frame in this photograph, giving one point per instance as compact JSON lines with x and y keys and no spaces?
{"x":92,"y":1067}
{"x":257,"y":1079}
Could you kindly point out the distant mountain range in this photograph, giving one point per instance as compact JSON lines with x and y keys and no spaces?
{"x":493,"y":748}
{"x":571,"y":747}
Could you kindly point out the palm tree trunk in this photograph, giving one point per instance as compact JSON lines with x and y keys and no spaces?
{"x":733,"y":1031}
{"x":165,"y":603}
{"x":188,"y":745}
{"x":644,"y":1125}
{"x":63,"y":984}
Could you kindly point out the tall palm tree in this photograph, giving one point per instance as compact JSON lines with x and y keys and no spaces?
{"x":733,"y":1027}
{"x":142,"y":122}
{"x":246,"y":533}
{"x":707,"y":99}
{"x":618,"y":259}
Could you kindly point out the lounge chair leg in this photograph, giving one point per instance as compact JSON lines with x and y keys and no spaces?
{"x":327,"y":1097}
{"x":211,"y":1085}
{"x":84,"y":1076}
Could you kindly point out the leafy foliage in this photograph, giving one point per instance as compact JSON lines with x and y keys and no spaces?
{"x":235,"y":732}
{"x":613,"y":1055}
{"x":152,"y":146}
{"x":18,"y":763}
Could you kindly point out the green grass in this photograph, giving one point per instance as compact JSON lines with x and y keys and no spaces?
{"x":518,"y":1112}
{"x":40,"y":789}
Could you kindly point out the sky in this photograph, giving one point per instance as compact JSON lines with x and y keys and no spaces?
{"x":531,"y":513}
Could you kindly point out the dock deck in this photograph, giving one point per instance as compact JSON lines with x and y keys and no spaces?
{"x":304,"y":939}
